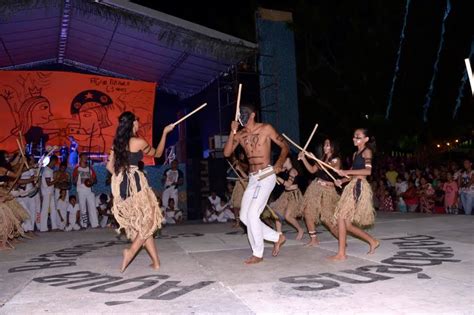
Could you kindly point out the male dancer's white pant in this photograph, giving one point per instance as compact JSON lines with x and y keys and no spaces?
{"x":33,"y":206}
{"x":48,"y":206}
{"x":87,"y":205}
{"x":170,"y":192}
{"x":253,"y":203}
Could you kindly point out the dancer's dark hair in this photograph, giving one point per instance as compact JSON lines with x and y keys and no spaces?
{"x":371,"y":143}
{"x":121,"y":141}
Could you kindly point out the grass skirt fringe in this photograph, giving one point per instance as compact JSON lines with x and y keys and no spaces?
{"x":12,"y":214}
{"x":319,"y":202}
{"x":238,"y":193}
{"x":139,"y":214}
{"x":289,"y":201}
{"x":356,"y":206}
{"x":20,"y":213}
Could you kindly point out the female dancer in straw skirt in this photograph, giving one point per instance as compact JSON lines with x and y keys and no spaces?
{"x":135,"y":207}
{"x":12,"y":214}
{"x":320,"y":198}
{"x":355,"y":205}
{"x":288,"y":204}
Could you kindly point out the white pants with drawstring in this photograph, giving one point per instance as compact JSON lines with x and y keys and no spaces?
{"x":253,"y":203}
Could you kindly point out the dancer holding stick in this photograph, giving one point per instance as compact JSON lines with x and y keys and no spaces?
{"x":356,"y":204}
{"x":322,"y":164}
{"x":320,"y":198}
{"x":237,"y":107}
{"x":256,"y":139}
{"x":135,"y":207}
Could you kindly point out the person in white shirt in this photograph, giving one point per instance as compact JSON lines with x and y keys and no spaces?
{"x":211,"y":212}
{"x":104,"y":209}
{"x":32,"y":204}
{"x":62,"y":181}
{"x":172,"y":178}
{"x":48,"y":205}
{"x":73,"y":210}
{"x":62,"y":204}
{"x":224,"y":212}
{"x":466,"y":185}
{"x":84,"y":174}
{"x":173,"y":214}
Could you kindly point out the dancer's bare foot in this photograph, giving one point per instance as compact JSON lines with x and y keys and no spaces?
{"x":278,"y":244}
{"x":253,"y":260}
{"x":155,"y":266}
{"x":15,"y":241}
{"x":6,"y":246}
{"x":127,"y":257}
{"x":299,"y":236}
{"x":27,"y":236}
{"x":337,"y":257}
{"x":373,"y":247}
{"x":30,"y":233}
{"x":313,"y":242}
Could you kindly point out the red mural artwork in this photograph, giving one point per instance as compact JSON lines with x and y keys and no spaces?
{"x":69,"y":109}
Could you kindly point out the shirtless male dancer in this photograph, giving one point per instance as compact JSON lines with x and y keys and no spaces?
{"x":256,"y":140}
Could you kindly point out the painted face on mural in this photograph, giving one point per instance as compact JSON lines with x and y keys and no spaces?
{"x":244,"y":116}
{"x":88,"y":119}
{"x":41,"y":113}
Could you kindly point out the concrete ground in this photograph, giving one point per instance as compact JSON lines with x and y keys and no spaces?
{"x":425,"y":265}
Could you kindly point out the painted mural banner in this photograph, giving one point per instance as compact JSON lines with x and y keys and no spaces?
{"x":54,"y":108}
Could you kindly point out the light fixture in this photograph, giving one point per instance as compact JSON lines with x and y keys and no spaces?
{"x":438,"y":146}
{"x":456,"y":140}
{"x":448,"y":144}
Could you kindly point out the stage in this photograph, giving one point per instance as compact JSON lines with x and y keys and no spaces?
{"x":424,"y":266}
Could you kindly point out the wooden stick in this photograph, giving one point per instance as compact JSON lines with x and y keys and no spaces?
{"x":236,"y":173}
{"x":311,"y":155}
{"x":237,"y":108}
{"x":275,"y":214}
{"x":22,"y":146}
{"x":20,"y":170}
{"x":23,"y":157}
{"x":310,"y":137}
{"x":469,"y":74}
{"x":191,"y":113}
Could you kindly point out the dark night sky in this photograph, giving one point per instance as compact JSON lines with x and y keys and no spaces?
{"x":346,"y":50}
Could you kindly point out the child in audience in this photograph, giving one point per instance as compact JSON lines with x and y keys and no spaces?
{"x":73,"y":212}
{"x":451,"y":189}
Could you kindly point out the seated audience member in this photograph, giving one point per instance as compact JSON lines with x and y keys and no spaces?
{"x":61,"y":206}
{"x":410,"y":196}
{"x":427,"y":196}
{"x":173,"y":214}
{"x":224,"y":211}
{"x":384,"y":197}
{"x":104,"y":209}
{"x":211,"y":212}
{"x":74,"y":213}
{"x":451,"y":190}
{"x":466,"y":187}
